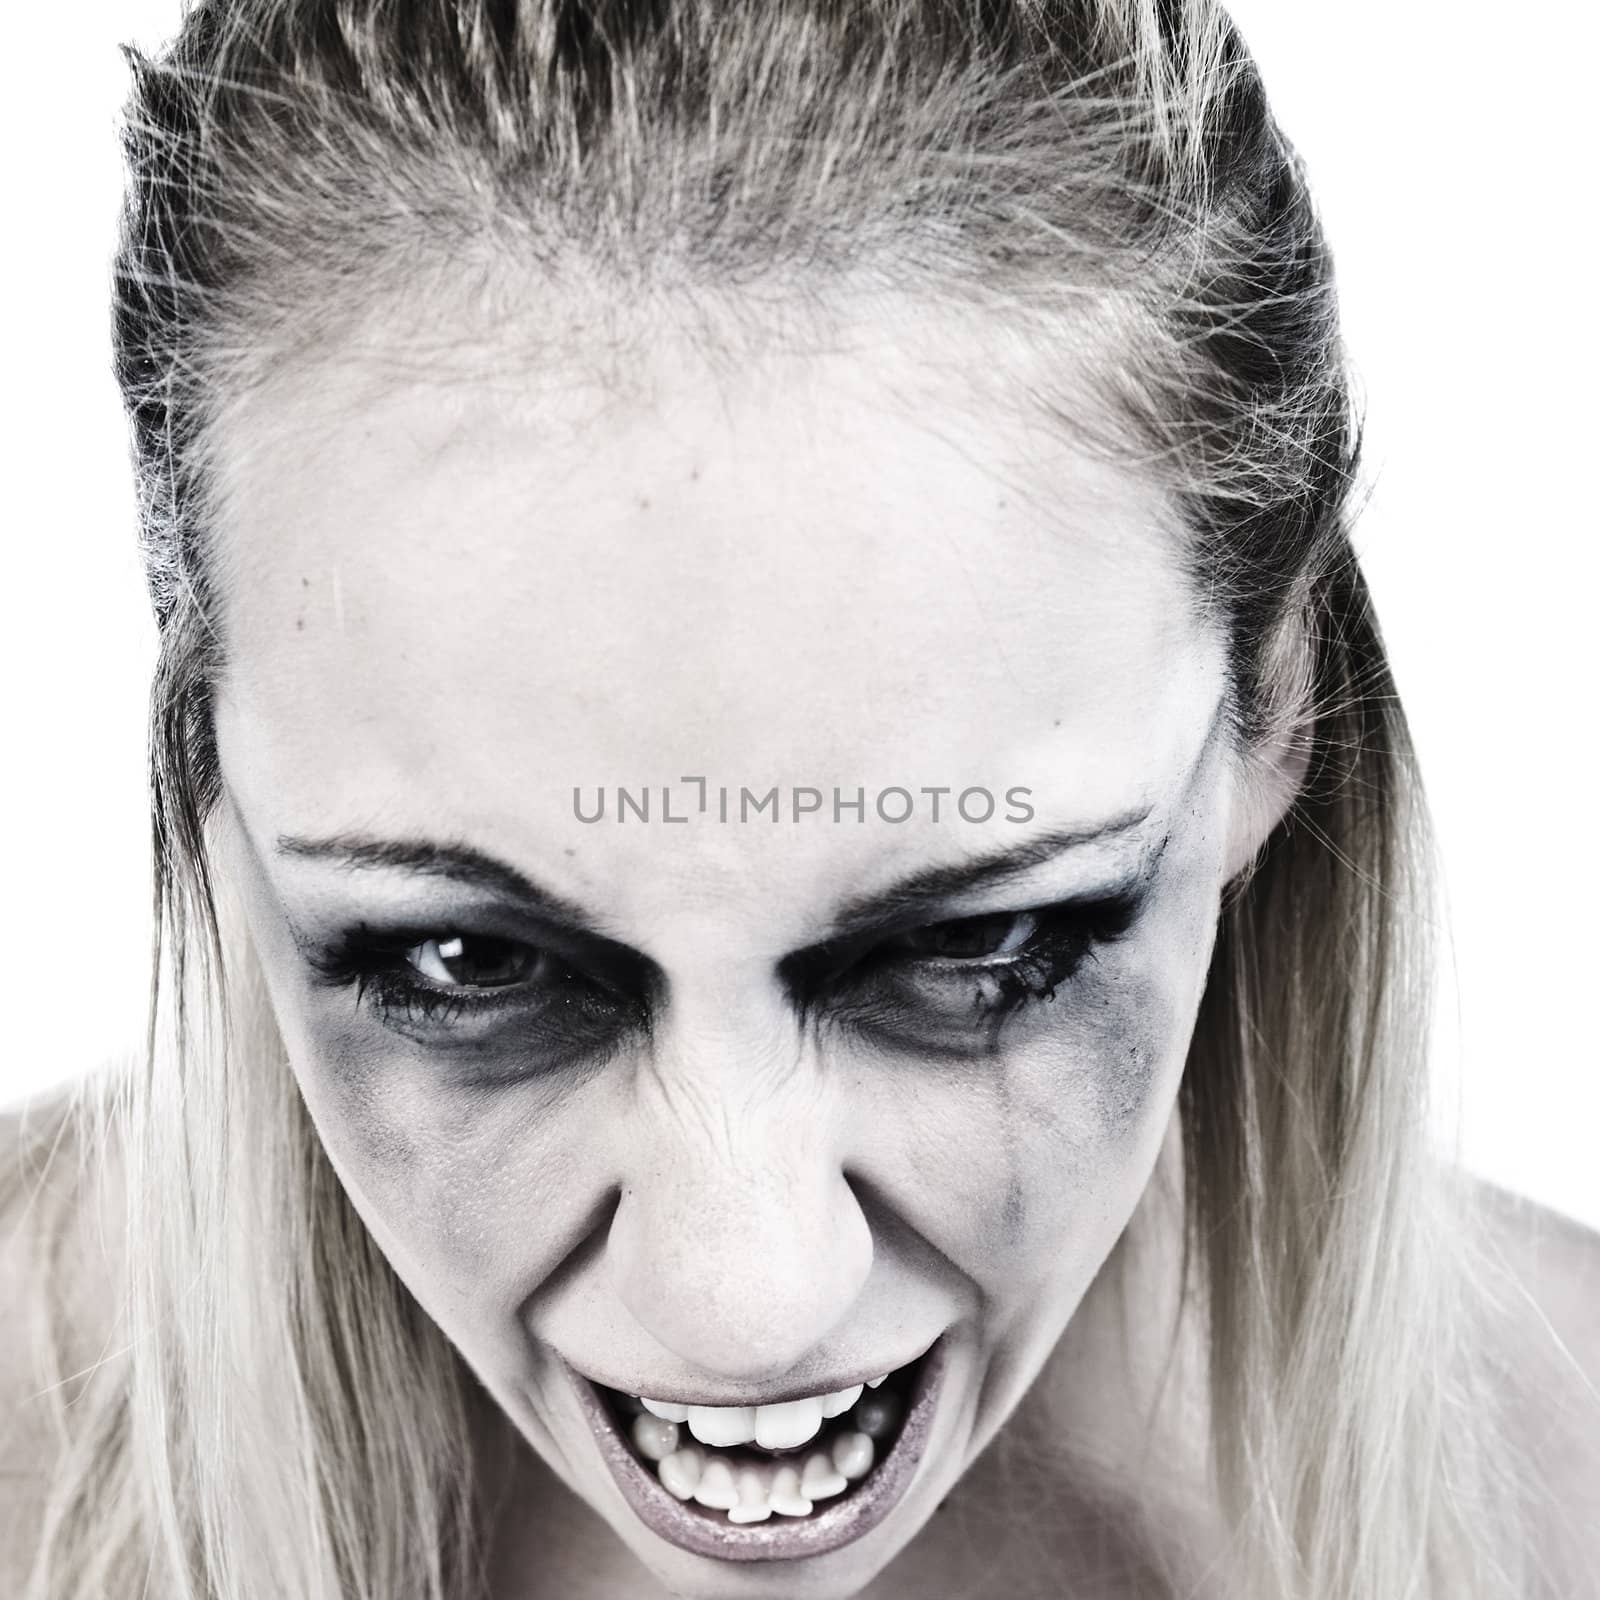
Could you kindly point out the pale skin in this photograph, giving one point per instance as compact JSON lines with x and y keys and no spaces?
{"x":446,"y":606}
{"x":445,"y":614}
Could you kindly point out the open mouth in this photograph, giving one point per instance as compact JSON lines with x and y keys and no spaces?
{"x":771,"y":1482}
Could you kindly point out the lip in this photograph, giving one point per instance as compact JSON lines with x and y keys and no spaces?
{"x":777,"y":1397}
{"x":786,"y":1539}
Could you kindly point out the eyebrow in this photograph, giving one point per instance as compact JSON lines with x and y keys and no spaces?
{"x":920,"y":892}
{"x":861,"y":915}
{"x":458,"y":863}
{"x":930,"y":887}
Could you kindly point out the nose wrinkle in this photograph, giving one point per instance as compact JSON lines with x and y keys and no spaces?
{"x":741,"y":1270}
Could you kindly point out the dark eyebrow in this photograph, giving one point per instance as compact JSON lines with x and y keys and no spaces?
{"x":896,"y":905}
{"x":854,"y":924}
{"x":910,"y":895}
{"x":928,"y":889}
{"x":901,"y":903}
{"x":456,"y":862}
{"x":891,"y":908}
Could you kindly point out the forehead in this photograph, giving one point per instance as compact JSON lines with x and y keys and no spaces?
{"x":451,"y":601}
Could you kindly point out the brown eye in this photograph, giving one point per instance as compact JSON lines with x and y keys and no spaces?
{"x":473,"y":961}
{"x":995,"y":933}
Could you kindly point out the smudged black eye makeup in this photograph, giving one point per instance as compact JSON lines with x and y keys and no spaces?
{"x":454,"y":988}
{"x":951,"y":987}
{"x":1007,"y":959}
{"x":944,"y":987}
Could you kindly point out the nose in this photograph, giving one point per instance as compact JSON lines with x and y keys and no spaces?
{"x":739,"y":1245}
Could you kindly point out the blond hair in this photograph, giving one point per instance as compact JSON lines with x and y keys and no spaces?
{"x":1103,"y":175}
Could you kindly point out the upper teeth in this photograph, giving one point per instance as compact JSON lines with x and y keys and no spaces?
{"x":665,"y":1409}
{"x":775,"y":1427}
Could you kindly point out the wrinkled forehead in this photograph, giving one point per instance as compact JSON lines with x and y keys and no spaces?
{"x":451,"y":603}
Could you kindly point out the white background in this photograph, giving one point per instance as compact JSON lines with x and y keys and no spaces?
{"x":1454,"y":157}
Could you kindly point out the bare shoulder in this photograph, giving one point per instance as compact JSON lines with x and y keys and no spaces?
{"x":1548,"y":1353}
{"x":56,"y":1307}
{"x":1555,"y":1259}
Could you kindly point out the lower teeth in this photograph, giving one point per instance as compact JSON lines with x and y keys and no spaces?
{"x":749,"y":1488}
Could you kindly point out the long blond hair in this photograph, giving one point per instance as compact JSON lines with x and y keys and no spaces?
{"x":1101,"y":178}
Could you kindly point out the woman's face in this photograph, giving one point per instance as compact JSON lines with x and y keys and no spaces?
{"x":730,"y":1106}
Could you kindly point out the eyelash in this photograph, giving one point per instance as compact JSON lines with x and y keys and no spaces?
{"x":373,"y":963}
{"x":1066,"y":935}
{"x":1052,"y":955}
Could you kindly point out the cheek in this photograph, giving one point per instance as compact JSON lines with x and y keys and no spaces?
{"x":1087,"y":1104}
{"x":473,"y":1195}
{"x":1025,"y":1168}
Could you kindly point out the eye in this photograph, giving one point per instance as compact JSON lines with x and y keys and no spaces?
{"x":998,"y":961}
{"x":950,"y":988}
{"x":476,"y":962}
{"x":476,"y":992}
{"x":995,"y":933}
